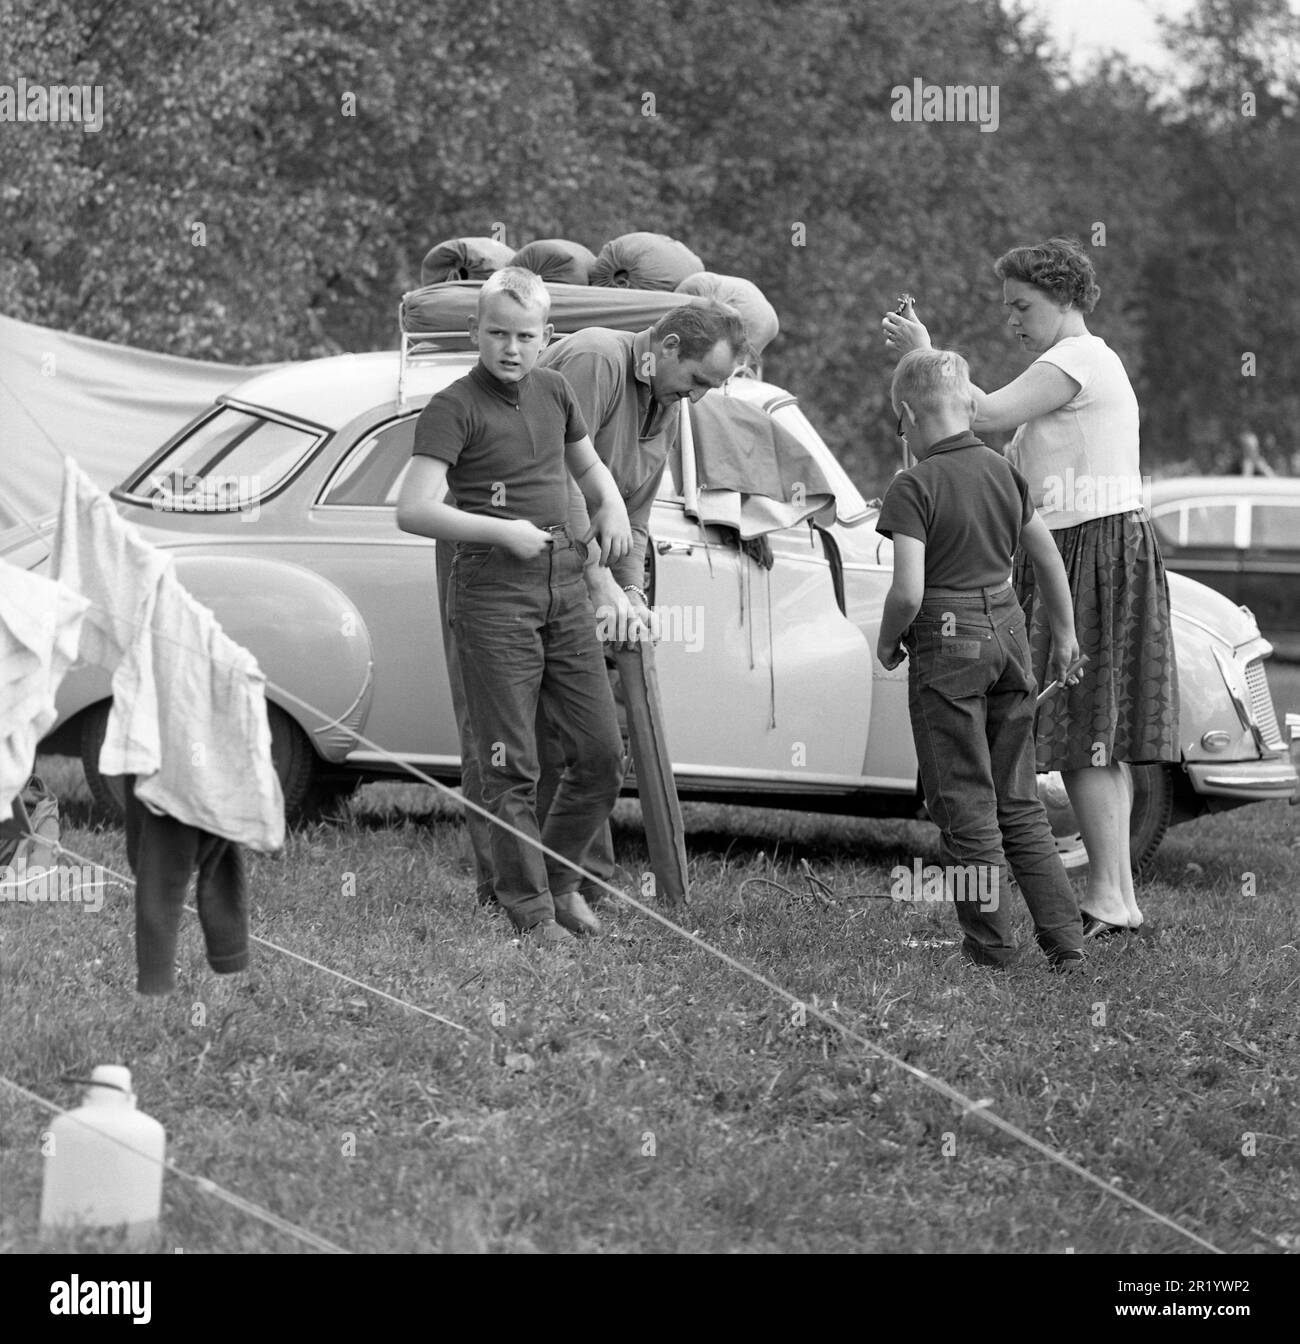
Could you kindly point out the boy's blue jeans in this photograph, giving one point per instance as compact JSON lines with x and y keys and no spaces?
{"x":971,"y":692}
{"x":477,"y":827}
{"x":524,"y":632}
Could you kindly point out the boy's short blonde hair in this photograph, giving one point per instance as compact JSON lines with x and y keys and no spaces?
{"x":931,"y":380}
{"x":526,"y":288}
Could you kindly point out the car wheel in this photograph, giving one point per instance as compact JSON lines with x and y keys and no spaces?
{"x":292,"y":757}
{"x":328,"y":799}
{"x":1153,"y":802}
{"x":295,"y":765}
{"x":106,"y":790}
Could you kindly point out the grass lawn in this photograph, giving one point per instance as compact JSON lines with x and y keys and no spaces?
{"x":641,"y":1095}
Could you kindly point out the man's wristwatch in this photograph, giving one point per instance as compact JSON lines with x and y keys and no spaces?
{"x":640,"y":592}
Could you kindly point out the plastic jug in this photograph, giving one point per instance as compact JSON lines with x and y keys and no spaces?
{"x":103,"y":1165}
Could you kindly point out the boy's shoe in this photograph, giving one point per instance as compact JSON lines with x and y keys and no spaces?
{"x":1067,"y":963}
{"x":546,"y":933}
{"x":573,"y":913}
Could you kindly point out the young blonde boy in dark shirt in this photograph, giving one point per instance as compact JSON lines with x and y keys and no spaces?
{"x":956,"y":518}
{"x":505,"y":438}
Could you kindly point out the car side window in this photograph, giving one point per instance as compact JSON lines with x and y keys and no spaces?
{"x":225,"y":462}
{"x":1210,"y":524}
{"x":1275,"y":527}
{"x":372,"y":474}
{"x":1191,"y":524}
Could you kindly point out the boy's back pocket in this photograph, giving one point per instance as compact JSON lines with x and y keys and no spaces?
{"x":954,"y":665}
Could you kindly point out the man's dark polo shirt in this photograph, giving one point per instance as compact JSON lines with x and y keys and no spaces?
{"x":967,"y":504}
{"x":610,"y":375}
{"x":504,"y":443}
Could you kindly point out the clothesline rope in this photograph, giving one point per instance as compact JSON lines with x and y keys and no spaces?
{"x":202,"y":1183}
{"x":967,"y":1104}
{"x":123,"y":880}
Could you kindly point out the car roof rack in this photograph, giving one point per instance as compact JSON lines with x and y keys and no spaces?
{"x":433,"y":319}
{"x":418,"y":346}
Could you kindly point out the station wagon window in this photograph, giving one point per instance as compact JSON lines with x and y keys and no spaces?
{"x":373,"y":472}
{"x":226,"y":461}
{"x":1210,"y":524}
{"x":1197,"y":524}
{"x":1276,"y":526}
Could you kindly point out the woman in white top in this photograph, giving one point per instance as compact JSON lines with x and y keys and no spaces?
{"x":1076,"y":443}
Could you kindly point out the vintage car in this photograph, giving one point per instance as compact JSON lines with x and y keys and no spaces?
{"x":1239,"y":535}
{"x":278,"y":504}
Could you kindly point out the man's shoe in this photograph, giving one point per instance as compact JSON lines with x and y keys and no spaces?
{"x":1067,"y":963}
{"x":592,"y":895}
{"x":573,"y":913}
{"x":546,"y":933}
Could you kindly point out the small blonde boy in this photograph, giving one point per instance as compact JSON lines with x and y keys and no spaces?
{"x":956,"y":518}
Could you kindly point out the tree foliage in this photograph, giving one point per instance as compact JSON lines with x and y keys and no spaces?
{"x":268,"y":178}
{"x":1223,"y":341}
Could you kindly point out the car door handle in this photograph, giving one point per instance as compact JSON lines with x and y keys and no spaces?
{"x":675,"y":547}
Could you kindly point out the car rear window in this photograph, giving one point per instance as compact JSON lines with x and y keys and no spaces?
{"x":224,"y":462}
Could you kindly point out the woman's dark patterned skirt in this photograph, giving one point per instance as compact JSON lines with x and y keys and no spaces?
{"x":1125,"y":708}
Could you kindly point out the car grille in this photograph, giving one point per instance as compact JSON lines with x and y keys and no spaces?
{"x":1261,"y":702}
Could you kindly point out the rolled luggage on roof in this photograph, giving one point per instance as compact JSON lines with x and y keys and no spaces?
{"x":556,"y":260}
{"x":464,"y":259}
{"x":644,"y":261}
{"x":759,"y":317}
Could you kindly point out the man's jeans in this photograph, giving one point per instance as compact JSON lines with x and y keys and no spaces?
{"x":972,"y":695}
{"x":525,"y":633}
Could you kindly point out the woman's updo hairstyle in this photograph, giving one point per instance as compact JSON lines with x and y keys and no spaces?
{"x":1059,"y":267}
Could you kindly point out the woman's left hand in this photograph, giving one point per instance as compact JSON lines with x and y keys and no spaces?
{"x":905,"y":331}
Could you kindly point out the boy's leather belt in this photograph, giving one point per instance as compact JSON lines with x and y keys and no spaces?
{"x":944,"y":593}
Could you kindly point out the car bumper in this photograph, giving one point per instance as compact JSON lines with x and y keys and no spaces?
{"x":1276,"y":776}
{"x":1246,"y":781}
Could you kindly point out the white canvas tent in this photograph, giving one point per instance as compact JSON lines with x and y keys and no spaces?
{"x":108,"y":406}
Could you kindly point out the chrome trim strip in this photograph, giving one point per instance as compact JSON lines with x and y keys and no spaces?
{"x":344,"y":720}
{"x":1227,"y":666}
{"x":726,"y":776}
{"x":1211,"y":630}
{"x":284,"y":417}
{"x":802,"y":783}
{"x":1247,"y":780}
{"x":406,"y":758}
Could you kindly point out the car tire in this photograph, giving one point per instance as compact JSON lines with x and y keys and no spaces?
{"x":291,"y":755}
{"x":105,"y":790}
{"x":295,"y":766}
{"x":328,"y":799}
{"x":1153,"y":803}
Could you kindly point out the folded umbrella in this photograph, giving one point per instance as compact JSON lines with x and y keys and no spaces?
{"x":660,"y":810}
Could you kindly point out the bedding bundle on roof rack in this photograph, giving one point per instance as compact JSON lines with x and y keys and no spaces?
{"x":633,"y":281}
